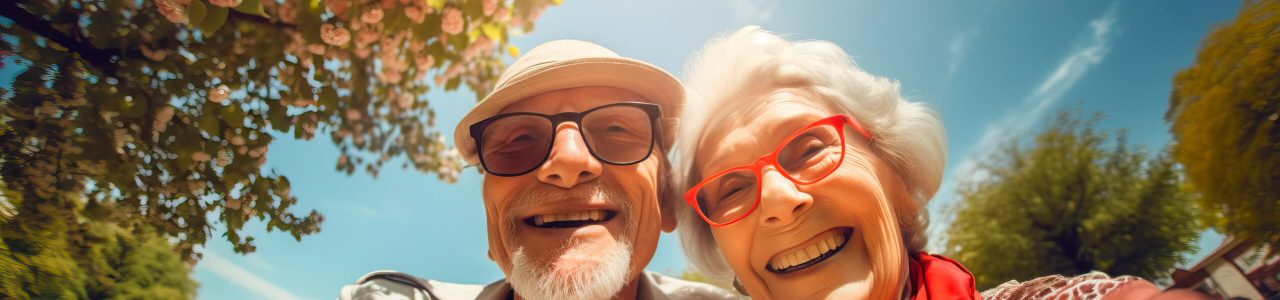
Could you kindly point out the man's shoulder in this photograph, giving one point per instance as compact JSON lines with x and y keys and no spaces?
{"x":399,"y":285}
{"x":666,"y":287}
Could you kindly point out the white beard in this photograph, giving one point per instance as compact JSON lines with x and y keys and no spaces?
{"x":537,"y":280}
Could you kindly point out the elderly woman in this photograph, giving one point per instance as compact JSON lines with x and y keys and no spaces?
{"x":807,"y":177}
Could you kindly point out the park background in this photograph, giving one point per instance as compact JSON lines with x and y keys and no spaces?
{"x":993,"y":70}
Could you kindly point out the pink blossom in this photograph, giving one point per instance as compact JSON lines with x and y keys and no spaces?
{"x":316,"y":49}
{"x":334,"y":35}
{"x":172,"y":11}
{"x":337,"y":7}
{"x":424,"y":62}
{"x":415,"y":14}
{"x":389,"y":76}
{"x":219,"y":94}
{"x":489,"y":6}
{"x":405,"y":100}
{"x":224,"y":158}
{"x":502,"y":14}
{"x":225,"y":3}
{"x":535,"y":14}
{"x":372,"y":16}
{"x":452,"y":21}
{"x":366,"y":37}
{"x":288,"y":12}
{"x":354,"y":114}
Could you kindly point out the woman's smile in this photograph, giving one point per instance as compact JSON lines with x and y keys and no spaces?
{"x":811,"y":252}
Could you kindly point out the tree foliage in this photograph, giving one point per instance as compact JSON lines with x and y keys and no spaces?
{"x":81,"y":253}
{"x":1070,"y":204}
{"x":164,"y":111}
{"x":1224,"y":113}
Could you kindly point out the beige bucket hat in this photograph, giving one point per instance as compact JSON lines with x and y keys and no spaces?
{"x":563,"y":64}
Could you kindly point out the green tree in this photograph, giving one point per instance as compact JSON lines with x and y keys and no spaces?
{"x":1224,"y":113}
{"x":90,"y":256}
{"x":1070,"y":204}
{"x":164,"y":111}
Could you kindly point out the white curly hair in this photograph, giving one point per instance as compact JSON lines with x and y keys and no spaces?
{"x":736,"y":70}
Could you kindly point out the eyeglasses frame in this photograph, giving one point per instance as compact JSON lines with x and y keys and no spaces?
{"x":757,"y":167}
{"x":654,"y":111}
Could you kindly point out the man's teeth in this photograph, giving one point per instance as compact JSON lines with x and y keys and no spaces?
{"x":799,"y":256}
{"x":591,"y":215}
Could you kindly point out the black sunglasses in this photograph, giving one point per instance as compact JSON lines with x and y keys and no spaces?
{"x":514,"y":144}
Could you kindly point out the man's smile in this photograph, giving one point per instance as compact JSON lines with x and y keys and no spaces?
{"x":571,"y":219}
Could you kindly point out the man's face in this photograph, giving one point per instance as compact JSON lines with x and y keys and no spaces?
{"x":618,"y":203}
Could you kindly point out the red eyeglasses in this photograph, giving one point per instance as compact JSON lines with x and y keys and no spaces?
{"x":805,"y":157}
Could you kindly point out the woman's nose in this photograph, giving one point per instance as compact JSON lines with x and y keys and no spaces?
{"x":781,"y":203}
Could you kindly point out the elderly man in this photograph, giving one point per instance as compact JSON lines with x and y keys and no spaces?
{"x":572,"y":142}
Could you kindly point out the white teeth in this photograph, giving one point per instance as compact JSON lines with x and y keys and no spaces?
{"x":591,"y":215}
{"x":806,"y":254}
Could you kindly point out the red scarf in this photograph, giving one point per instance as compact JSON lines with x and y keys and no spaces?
{"x":934,"y":277}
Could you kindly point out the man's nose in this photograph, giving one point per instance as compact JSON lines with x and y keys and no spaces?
{"x":570,"y":162}
{"x":781,"y":203}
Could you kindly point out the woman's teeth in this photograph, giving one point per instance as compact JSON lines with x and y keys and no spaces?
{"x":829,"y":244}
{"x":557,"y":219}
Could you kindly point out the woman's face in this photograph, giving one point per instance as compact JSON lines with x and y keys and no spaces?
{"x":835,"y":238}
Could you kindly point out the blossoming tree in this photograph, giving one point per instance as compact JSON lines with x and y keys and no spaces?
{"x":165,"y":110}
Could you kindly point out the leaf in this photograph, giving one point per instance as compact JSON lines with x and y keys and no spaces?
{"x":252,"y":7}
{"x":132,"y":107}
{"x":279,"y":117}
{"x":209,"y":120}
{"x":233,"y":115}
{"x":492,"y":30}
{"x":309,"y":22}
{"x":513,"y":51}
{"x":452,"y":84}
{"x":213,"y":20}
{"x":196,"y":13}
{"x":436,"y":4}
{"x":471,"y":37}
{"x":329,"y":98}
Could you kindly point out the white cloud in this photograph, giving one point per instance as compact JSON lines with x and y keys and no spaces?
{"x":259,"y":263}
{"x":753,"y":11}
{"x":238,"y":275}
{"x":368,"y":212}
{"x":1065,"y":76}
{"x":1025,"y":116}
{"x":957,"y":49}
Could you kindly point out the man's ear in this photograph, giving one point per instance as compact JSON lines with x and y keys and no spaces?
{"x":668,"y":215}
{"x":667,"y":197}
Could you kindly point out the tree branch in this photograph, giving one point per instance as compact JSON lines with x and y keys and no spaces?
{"x":103,"y":59}
{"x":234,"y":15}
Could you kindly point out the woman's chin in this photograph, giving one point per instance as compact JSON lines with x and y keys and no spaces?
{"x":852,"y":290}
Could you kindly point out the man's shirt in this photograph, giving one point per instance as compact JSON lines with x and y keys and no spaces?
{"x":388,"y":285}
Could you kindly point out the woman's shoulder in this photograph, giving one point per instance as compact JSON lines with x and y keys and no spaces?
{"x":939,"y":277}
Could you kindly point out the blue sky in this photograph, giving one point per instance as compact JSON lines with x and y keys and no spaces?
{"x":992,"y":69}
